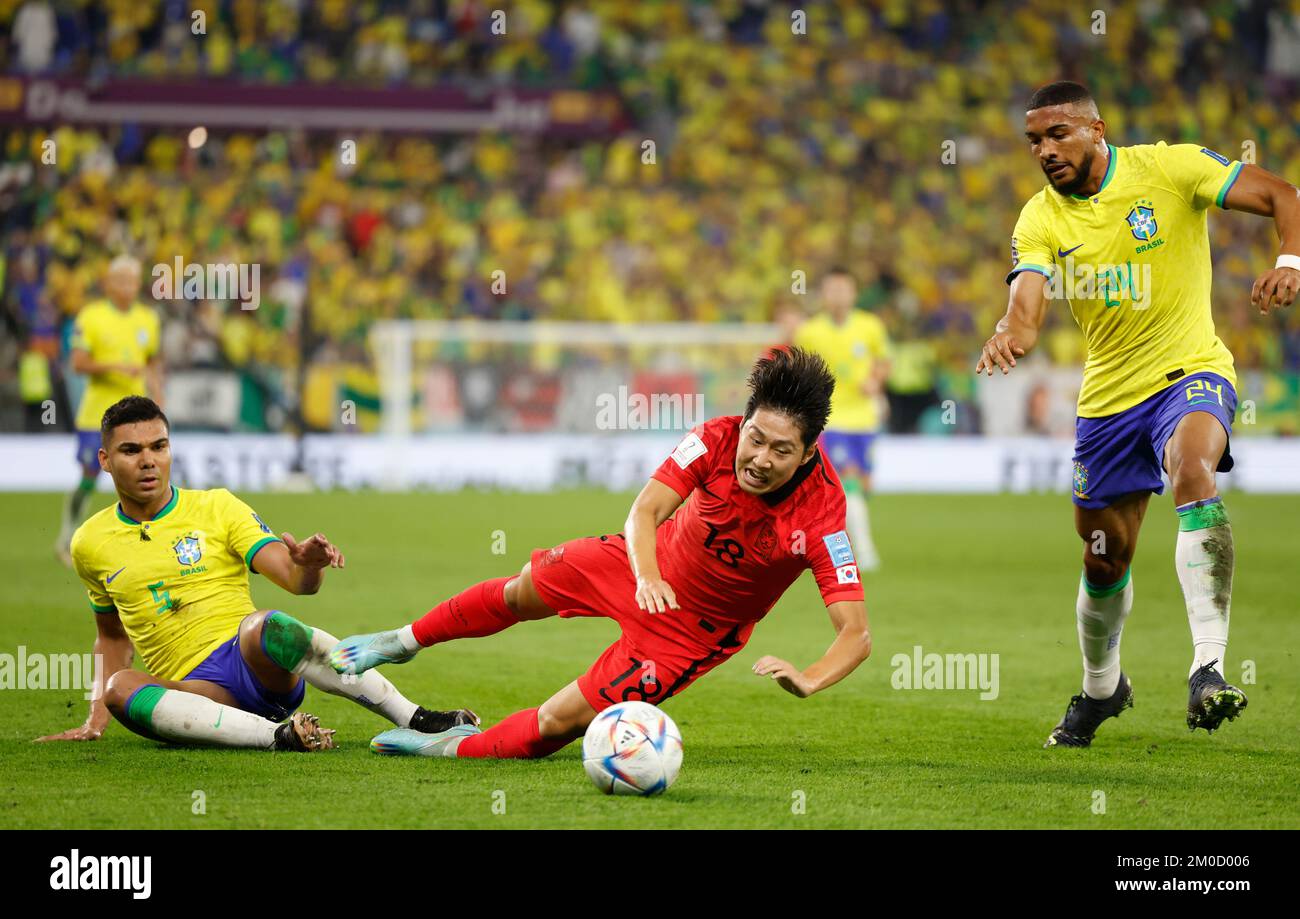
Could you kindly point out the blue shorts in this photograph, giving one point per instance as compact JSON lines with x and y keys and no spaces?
{"x":848,"y":448}
{"x":88,"y":451}
{"x":227,"y":668}
{"x":1123,"y":453}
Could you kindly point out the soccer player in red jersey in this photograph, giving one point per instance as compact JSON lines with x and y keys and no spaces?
{"x":756,"y":504}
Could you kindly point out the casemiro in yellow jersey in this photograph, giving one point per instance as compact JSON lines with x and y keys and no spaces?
{"x":112,"y":336}
{"x":179,"y":582}
{"x":1134,"y":262}
{"x":851,"y":350}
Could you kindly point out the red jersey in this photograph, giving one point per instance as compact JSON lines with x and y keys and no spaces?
{"x":729,"y":555}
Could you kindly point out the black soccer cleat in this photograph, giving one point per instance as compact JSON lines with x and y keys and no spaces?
{"x":427,"y":721}
{"x":1085,"y":714}
{"x":1210,"y":699}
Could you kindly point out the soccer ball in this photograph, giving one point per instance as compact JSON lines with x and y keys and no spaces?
{"x":632,"y":749}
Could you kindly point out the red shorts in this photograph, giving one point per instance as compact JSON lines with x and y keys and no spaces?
{"x":659,"y":654}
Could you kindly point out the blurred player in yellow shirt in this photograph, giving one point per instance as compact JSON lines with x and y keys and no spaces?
{"x":115,"y":346}
{"x":855,"y":345}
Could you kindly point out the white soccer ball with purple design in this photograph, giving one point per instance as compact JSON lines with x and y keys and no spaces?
{"x":632,"y":748}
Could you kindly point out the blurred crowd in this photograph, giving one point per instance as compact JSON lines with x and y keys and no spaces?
{"x":885,"y":136}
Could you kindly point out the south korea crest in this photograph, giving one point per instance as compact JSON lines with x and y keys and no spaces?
{"x":188,"y":550}
{"x":1142,"y":221}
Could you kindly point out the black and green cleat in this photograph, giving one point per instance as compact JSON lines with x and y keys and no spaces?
{"x":1085,"y":714}
{"x":1211,"y":700}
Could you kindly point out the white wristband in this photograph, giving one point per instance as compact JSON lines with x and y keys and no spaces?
{"x":1288,"y":261}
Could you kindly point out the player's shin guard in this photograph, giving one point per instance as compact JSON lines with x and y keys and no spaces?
{"x":305,"y":651}
{"x":1101,"y":612}
{"x":474,"y":613}
{"x":1204,"y":556}
{"x":188,"y":718}
{"x":517,"y":737}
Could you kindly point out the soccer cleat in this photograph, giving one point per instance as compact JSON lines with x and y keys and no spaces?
{"x":406,"y":742}
{"x":303,"y":734}
{"x":1085,"y":714}
{"x":359,"y":653}
{"x":427,"y":721}
{"x":1211,"y":700}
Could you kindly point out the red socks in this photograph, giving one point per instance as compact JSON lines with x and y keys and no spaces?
{"x":517,"y":737}
{"x":481,"y":610}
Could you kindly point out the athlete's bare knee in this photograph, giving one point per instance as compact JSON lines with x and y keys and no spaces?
{"x":522,"y":597}
{"x":1192,"y":479}
{"x":1104,"y":569}
{"x":120,"y":686}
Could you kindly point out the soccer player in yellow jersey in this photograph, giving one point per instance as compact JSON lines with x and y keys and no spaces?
{"x":115,"y":345}
{"x":166,"y":570}
{"x":856,"y":347}
{"x":1121,"y":233}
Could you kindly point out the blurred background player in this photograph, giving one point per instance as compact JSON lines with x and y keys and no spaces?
{"x":1159,"y":388}
{"x":115,"y":347}
{"x":166,"y":571}
{"x":855,"y":346}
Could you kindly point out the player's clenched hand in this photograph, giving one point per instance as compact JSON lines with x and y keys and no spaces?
{"x":790,"y":677}
{"x":1275,"y":288}
{"x":999,"y":351}
{"x":654,"y":595}
{"x":89,"y":731}
{"x":314,"y":552}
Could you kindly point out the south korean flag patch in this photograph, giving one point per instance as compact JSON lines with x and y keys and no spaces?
{"x":689,"y":450}
{"x":847,"y":574}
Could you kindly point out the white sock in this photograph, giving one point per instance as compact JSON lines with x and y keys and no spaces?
{"x":370,"y":689}
{"x":1101,"y":624}
{"x":859,"y":526}
{"x":1204,"y":558}
{"x":406,"y":635}
{"x":189,"y":718}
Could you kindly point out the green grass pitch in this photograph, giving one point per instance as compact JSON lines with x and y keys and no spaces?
{"x":979,"y":574}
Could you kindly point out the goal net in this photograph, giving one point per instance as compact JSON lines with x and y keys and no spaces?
{"x":515,"y":377}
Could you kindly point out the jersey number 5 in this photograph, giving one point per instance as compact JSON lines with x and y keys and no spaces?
{"x":163,"y":599}
{"x":728,"y":551}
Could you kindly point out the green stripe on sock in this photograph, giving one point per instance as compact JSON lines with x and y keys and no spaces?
{"x":1102,"y":592}
{"x":1202,"y":517}
{"x":143,"y":701}
{"x":285,"y":640}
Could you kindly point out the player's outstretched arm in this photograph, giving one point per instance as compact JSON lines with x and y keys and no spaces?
{"x":652,"y":506}
{"x":852,"y":646}
{"x":298,"y":567}
{"x":1017,"y":331}
{"x":1258,"y":191}
{"x":114,"y":651}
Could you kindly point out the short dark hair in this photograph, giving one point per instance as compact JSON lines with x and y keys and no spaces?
{"x":796,"y":383}
{"x":1062,"y":92}
{"x":129,"y":411}
{"x":840,"y":271}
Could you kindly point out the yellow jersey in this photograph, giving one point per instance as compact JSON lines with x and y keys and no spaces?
{"x":1133,"y":261}
{"x":851,"y":350}
{"x":112,"y":336}
{"x":179,"y":582}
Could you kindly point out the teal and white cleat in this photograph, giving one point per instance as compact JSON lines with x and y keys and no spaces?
{"x":406,"y":742}
{"x":359,"y":653}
